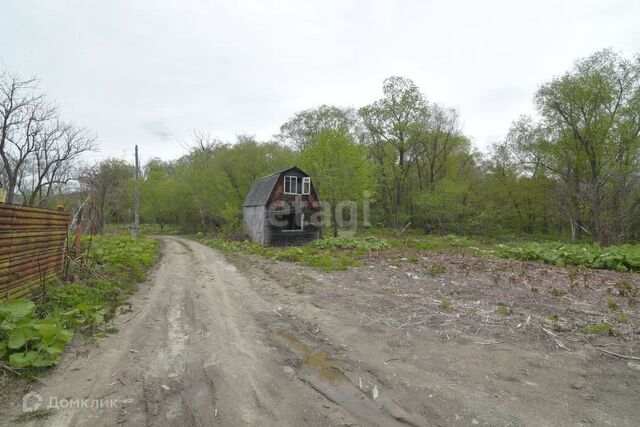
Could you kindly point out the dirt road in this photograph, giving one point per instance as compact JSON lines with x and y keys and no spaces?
{"x":211,"y":342}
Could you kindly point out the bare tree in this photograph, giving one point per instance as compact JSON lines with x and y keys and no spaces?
{"x":17,"y":113}
{"x":54,"y":161}
{"x":107,"y":185}
{"x":38,"y":151}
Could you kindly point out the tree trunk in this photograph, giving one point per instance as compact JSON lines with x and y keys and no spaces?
{"x":334,"y":220}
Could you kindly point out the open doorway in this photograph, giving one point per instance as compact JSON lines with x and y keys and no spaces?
{"x":294,"y":221}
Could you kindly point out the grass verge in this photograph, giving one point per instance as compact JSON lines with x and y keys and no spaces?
{"x":33,"y":335}
{"x":334,"y":253}
{"x":338,"y":253}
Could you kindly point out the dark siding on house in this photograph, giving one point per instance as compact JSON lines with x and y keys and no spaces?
{"x":277,"y":237}
{"x":268,"y":193}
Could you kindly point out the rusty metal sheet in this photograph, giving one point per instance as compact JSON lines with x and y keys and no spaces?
{"x":32,"y":248}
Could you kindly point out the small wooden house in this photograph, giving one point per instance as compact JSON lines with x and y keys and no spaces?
{"x":282,"y":209}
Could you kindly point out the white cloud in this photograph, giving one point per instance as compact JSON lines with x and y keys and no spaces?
{"x":149,"y":72}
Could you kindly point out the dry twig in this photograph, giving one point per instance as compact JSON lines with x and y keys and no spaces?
{"x":622,"y":356}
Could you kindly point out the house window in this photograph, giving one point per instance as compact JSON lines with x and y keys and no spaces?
{"x":306,"y":185}
{"x":291,"y":185}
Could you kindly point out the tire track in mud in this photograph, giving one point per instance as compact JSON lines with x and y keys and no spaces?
{"x":202,"y":349}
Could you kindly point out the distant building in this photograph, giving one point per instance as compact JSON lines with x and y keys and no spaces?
{"x":282,"y":209}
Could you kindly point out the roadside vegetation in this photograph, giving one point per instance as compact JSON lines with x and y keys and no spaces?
{"x":619,"y":258}
{"x":33,"y":335}
{"x":335,"y":253}
{"x":338,"y":253}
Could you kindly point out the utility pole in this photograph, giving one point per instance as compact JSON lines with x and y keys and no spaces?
{"x":136,"y":213}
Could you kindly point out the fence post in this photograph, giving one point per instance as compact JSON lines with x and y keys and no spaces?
{"x":78,"y":234}
{"x":136,"y":209}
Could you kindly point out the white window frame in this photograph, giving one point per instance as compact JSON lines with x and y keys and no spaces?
{"x":291,"y":179}
{"x":306,"y":182}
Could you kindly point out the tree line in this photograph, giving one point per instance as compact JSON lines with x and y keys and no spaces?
{"x":571,"y":170}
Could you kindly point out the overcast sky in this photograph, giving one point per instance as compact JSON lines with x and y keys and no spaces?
{"x":149,"y":72}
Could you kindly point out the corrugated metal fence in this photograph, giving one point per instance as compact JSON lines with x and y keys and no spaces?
{"x":32,"y":248}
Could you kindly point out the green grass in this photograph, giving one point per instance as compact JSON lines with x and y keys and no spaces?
{"x":415,"y":239}
{"x":341,"y":252}
{"x":122,"y":256}
{"x":601,"y":328}
{"x":624,"y":257}
{"x":435,"y":270}
{"x":446,"y":304}
{"x":33,"y":336}
{"x":145,"y":229}
{"x":328,"y":254}
{"x":502,"y":310}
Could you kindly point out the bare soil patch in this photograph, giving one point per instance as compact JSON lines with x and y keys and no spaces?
{"x":245,"y":340}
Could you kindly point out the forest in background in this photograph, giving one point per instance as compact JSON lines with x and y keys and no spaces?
{"x":570,"y":172}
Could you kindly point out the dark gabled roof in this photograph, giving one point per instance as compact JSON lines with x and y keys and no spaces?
{"x":262,"y":188}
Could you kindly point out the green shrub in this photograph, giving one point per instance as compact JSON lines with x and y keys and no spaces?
{"x":598,"y":328}
{"x":620,"y":258}
{"x":34,"y":336}
{"x":25,"y":340}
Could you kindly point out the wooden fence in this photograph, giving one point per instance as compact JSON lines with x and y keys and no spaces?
{"x":32,"y":248}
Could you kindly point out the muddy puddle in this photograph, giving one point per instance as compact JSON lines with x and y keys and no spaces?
{"x":328,"y":368}
{"x":337,"y":387}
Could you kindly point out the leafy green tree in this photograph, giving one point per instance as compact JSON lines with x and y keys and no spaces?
{"x":162,"y":194}
{"x":212,"y":181}
{"x":588,"y":140}
{"x":339,"y":168}
{"x":518,"y":197}
{"x":389,"y":123}
{"x":302,"y":129}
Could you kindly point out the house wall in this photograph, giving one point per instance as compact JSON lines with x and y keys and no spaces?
{"x":278,"y":192}
{"x":308,"y":204}
{"x":254,"y":223}
{"x":275,"y":236}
